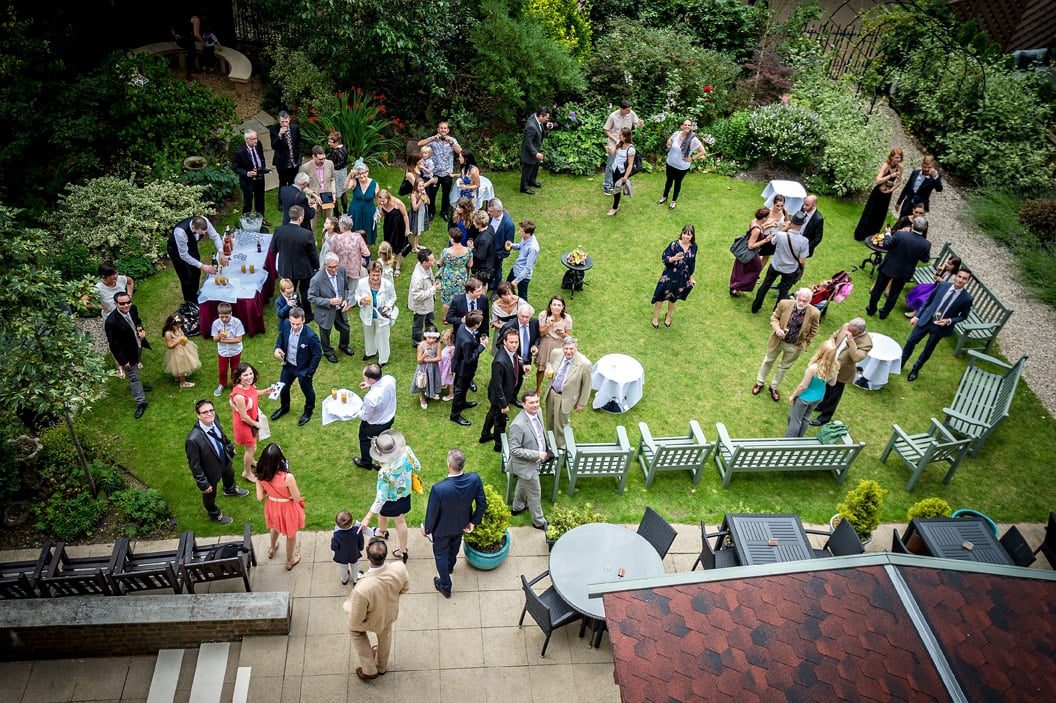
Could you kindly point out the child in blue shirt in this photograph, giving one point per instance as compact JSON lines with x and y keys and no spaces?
{"x":347,"y":546}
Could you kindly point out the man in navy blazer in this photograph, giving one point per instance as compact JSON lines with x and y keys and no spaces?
{"x":919,"y":187}
{"x":947,"y":305}
{"x":248,"y":163}
{"x":462,"y":304}
{"x":456,"y":506}
{"x":503,"y":231}
{"x":299,"y":350}
{"x":905,"y":248}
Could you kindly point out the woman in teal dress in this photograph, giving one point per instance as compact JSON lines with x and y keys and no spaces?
{"x":455,"y":261}
{"x":361,"y":207}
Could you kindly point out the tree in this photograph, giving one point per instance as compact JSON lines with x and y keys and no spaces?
{"x":48,"y":366}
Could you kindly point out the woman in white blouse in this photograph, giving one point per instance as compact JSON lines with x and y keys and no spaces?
{"x":377,"y":311}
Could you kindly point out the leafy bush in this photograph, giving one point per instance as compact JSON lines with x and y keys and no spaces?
{"x":69,"y":517}
{"x":502,"y":152}
{"x":564,"y":22}
{"x":929,"y":507}
{"x":578,"y":145}
{"x":767,"y":78}
{"x":74,"y":260}
{"x":517,"y":67}
{"x":1039,"y":216}
{"x":733,"y":139}
{"x":300,"y":82}
{"x":218,"y":182}
{"x":861,"y":507}
{"x":786,"y":134}
{"x":360,"y":120}
{"x":489,"y":535}
{"x":113,"y":216}
{"x":108,"y":478}
{"x":561,"y":519}
{"x":142,"y":510}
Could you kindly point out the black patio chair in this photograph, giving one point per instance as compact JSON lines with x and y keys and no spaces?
{"x":216,"y":562}
{"x":1048,"y":547}
{"x":897,"y":545}
{"x":76,"y":576}
{"x":18,"y":579}
{"x":657,"y":532}
{"x":1016,"y":545}
{"x":709,"y":559}
{"x":548,"y":609}
{"x":148,"y":571}
{"x":844,"y":540}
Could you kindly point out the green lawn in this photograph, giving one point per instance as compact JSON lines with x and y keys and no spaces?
{"x":703,"y":367}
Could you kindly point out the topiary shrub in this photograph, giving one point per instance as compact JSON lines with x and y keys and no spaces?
{"x":861,"y":507}
{"x":1039,"y":216}
{"x":69,"y":517}
{"x":929,"y":507}
{"x":490,"y":534}
{"x":142,"y":510}
{"x":733,"y":139}
{"x":560,"y":519}
{"x":787,"y":134}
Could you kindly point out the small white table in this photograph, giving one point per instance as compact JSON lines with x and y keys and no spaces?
{"x":884,"y":359}
{"x":793,"y":191}
{"x":334,"y":410}
{"x":617,"y":378}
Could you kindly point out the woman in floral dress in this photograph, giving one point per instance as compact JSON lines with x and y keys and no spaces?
{"x":393,"y":498}
{"x":455,"y":262}
{"x":676,"y":283}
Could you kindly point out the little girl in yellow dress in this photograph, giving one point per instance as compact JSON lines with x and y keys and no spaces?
{"x":181,"y":354}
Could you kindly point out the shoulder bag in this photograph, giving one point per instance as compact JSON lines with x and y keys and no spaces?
{"x":741,"y":251}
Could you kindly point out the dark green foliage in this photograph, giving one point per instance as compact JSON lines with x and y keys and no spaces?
{"x":502,"y":152}
{"x":578,"y":146}
{"x":73,"y":260}
{"x":142,"y":510}
{"x":1039,"y":216}
{"x":67,"y":518}
{"x":219,"y":182}
{"x":489,"y":534}
{"x":108,"y":478}
{"x":733,"y":139}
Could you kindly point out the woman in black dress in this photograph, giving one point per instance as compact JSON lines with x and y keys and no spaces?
{"x":887,"y":179}
{"x":676,"y":282}
{"x":396,"y":226}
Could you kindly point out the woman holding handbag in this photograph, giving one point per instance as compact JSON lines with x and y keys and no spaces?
{"x":746,"y":274}
{"x":395,"y":483}
{"x":622,"y":168}
{"x":247,"y":423}
{"x":284,"y":507}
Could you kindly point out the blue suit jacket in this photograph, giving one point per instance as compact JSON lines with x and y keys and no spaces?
{"x":507,"y":232}
{"x":962,"y":305}
{"x":454,"y":503}
{"x":310,"y":351}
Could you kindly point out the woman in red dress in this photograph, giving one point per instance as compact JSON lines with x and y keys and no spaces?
{"x":284,"y":507}
{"x":246,"y":419}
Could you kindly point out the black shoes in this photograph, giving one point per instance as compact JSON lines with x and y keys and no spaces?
{"x":470,"y":404}
{"x":517,"y":404}
{"x":815,"y":422}
{"x":518,"y":512}
{"x":236,"y":492}
{"x":368,"y":357}
{"x":536,"y":185}
{"x":870,"y":311}
{"x":304,"y":420}
{"x":473,"y":387}
{"x":147,"y":388}
{"x":459,"y":420}
{"x":445,"y":592}
{"x":369,"y":466}
{"x":884,"y":314}
{"x":223,"y":519}
{"x":485,"y":438}
{"x":347,"y":350}
{"x":140,"y":409}
{"x":279,"y":413}
{"x":527,"y":191}
{"x":331,"y":357}
{"x":540,"y":527}
{"x":912,"y":375}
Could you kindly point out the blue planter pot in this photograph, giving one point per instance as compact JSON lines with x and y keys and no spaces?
{"x":968,"y":512}
{"x":486,"y":561}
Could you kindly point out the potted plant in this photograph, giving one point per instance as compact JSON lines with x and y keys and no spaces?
{"x":861,"y":507}
{"x":561,"y":519}
{"x":488,"y":544}
{"x":929,"y":507}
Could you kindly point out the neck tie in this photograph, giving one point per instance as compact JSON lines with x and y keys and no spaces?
{"x":217,"y":445}
{"x":472,"y":304}
{"x":289,"y":148}
{"x":559,"y":379}
{"x":947,"y":302}
{"x":253,"y":155}
{"x":525,"y":351}
{"x":333,"y":282}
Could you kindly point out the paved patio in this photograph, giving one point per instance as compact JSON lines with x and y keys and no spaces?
{"x":462,"y":650}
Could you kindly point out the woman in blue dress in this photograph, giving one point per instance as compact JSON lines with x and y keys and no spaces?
{"x":676,"y":283}
{"x":361,"y":207}
{"x":821,"y":372}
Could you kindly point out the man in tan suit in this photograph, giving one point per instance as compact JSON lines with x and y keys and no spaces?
{"x":570,"y":378}
{"x":320,"y":172}
{"x":374,"y":606}
{"x":794,"y":323}
{"x":853,"y":344}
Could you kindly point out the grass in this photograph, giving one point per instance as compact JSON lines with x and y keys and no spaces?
{"x":703,"y":367}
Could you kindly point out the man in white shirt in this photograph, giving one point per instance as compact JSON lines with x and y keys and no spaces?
{"x":378,"y":413}
{"x":186,"y":260}
{"x":790,"y":254}
{"x":616,"y":122}
{"x":421,"y":294}
{"x":528,"y":255}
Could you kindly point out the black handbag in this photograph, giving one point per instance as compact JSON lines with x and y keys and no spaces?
{"x":742,"y":251}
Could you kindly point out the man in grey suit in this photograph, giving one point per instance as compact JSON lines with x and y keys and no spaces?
{"x":531,"y":150}
{"x":329,"y":295}
{"x":527,"y":451}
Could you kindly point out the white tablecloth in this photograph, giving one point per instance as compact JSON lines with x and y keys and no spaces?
{"x":484,"y":193}
{"x":334,"y":410}
{"x":793,"y":191}
{"x":240,"y":285}
{"x":884,"y":359}
{"x":619,"y":378}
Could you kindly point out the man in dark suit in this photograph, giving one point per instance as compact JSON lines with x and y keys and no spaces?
{"x":531,"y":150}
{"x":905,"y":248}
{"x":329,"y":295}
{"x":814,"y":226}
{"x":527,"y":327}
{"x":465,"y":303}
{"x":485,"y":257}
{"x":209,"y":454}
{"x":507,"y":371}
{"x":503,"y":230}
{"x":469,"y":343}
{"x":919,"y":187}
{"x":294,"y":195}
{"x":248,"y":163}
{"x":456,"y":506}
{"x":947,"y":305}
{"x":286,"y":143}
{"x":126,"y":338}
{"x":299,"y":351}
{"x":296,"y":257}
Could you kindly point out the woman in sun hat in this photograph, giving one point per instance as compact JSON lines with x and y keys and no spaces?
{"x":393,"y":498}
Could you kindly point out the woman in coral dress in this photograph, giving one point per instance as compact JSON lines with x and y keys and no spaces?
{"x":246,"y":420}
{"x":284,"y":506}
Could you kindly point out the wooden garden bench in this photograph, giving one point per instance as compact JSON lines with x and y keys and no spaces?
{"x":18,"y":579}
{"x":215,"y":562}
{"x":782,"y":454}
{"x":686,"y":453}
{"x":239,"y":67}
{"x":988,"y":314}
{"x":76,"y":576}
{"x":982,"y":399}
{"x":604,"y":459}
{"x":547,"y":468}
{"x":147,"y":571}
{"x":919,"y":450}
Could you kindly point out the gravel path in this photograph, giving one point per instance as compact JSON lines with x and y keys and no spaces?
{"x":1032,"y":328}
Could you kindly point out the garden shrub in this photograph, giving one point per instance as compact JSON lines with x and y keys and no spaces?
{"x":114,"y":216}
{"x":733,"y":139}
{"x":108,"y":478}
{"x":301,"y":84}
{"x":927,"y":508}
{"x":69,"y":517}
{"x":786,"y":134}
{"x":1039,"y":216}
{"x":218,"y":182}
{"x":564,"y":23}
{"x":488,"y":535}
{"x":73,"y":260}
{"x":142,"y":510}
{"x":578,"y":145}
{"x":360,"y":118}
{"x":502,"y":151}
{"x":767,"y":79}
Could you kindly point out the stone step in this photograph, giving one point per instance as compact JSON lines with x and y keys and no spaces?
{"x":166,"y":676}
{"x":209,"y":672}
